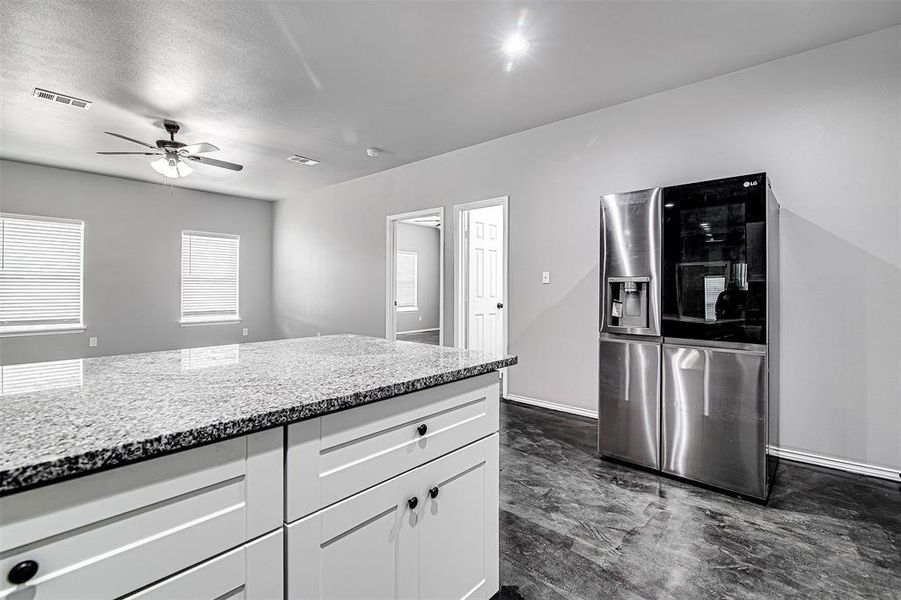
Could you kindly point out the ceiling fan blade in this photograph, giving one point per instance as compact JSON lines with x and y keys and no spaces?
{"x":144,"y":153}
{"x":200,"y":148}
{"x":125,"y":137}
{"x":215,"y":163}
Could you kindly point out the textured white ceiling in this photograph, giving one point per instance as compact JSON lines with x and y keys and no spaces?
{"x":264,"y":80}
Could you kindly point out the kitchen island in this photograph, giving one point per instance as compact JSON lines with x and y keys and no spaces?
{"x":263,"y":470}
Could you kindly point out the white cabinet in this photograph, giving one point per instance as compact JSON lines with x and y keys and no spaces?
{"x":393,"y":499}
{"x":113,"y":532}
{"x":335,"y":456}
{"x":395,"y":540}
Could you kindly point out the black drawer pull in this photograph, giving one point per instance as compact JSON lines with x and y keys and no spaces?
{"x":413,"y":502}
{"x":422,"y":429}
{"x":434,"y":492}
{"x":22,"y":572}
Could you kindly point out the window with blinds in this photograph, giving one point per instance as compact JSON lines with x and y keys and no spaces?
{"x":40,"y":274}
{"x":209,"y":277}
{"x":406,"y":279}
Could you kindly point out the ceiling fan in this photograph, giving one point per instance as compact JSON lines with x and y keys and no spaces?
{"x":175,"y":156}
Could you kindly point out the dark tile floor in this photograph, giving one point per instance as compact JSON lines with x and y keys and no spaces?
{"x":574,"y":526}
{"x":423,"y":337}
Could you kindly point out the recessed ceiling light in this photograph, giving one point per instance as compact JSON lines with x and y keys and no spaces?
{"x":373,"y":152}
{"x":62,"y":99}
{"x":515,"y":45}
{"x":303,"y":160}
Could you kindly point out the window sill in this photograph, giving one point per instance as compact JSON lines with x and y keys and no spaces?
{"x":407,"y":309}
{"x":23,"y":330}
{"x":215,"y":321}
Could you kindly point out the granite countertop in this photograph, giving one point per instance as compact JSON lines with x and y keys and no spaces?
{"x":114,"y":410}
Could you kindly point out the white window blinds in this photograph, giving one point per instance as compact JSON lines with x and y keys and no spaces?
{"x":209,"y":277}
{"x":40,"y":274}
{"x":406,"y":280}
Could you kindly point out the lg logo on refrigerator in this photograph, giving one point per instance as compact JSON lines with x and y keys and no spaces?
{"x":750,"y":183}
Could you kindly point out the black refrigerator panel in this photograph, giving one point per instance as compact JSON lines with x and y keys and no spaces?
{"x":714,"y":261}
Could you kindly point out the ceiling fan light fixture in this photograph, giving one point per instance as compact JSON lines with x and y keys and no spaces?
{"x":171,"y":168}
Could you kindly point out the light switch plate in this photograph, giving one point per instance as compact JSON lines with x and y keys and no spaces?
{"x":245,"y":331}
{"x":545,"y":277}
{"x":92,"y":342}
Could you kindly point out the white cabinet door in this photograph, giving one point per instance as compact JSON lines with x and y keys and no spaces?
{"x":360,"y":548}
{"x":458,"y":527}
{"x":375,"y":545}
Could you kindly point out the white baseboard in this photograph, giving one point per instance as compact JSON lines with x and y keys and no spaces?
{"x":417,"y":331}
{"x":810,"y":458}
{"x":573,"y":410}
{"x":839,"y":464}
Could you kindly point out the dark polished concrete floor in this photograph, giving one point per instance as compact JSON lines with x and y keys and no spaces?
{"x":574,"y":526}
{"x":423,"y":337}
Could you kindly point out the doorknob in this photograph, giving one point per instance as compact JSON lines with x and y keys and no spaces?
{"x":500,"y":305}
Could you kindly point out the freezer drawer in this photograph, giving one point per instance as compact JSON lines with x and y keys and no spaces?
{"x":629,"y":410}
{"x":714,"y":417}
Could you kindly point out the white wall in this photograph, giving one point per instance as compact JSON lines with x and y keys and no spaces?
{"x":132,"y":260}
{"x":826,"y":126}
{"x":426,"y":242}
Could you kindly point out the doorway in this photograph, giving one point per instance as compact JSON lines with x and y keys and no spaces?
{"x":414,"y":307}
{"x":480,"y":275}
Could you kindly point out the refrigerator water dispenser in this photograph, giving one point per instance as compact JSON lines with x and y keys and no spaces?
{"x":628,"y":301}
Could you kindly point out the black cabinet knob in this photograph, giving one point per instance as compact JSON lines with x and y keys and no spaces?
{"x":500,"y":305}
{"x":413,"y":502}
{"x":433,"y":492}
{"x":422,"y":429}
{"x":22,"y":572}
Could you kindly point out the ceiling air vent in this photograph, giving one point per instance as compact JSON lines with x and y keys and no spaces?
{"x":62,"y":99}
{"x":303,"y":160}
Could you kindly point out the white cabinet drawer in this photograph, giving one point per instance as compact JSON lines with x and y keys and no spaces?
{"x":333,"y":457}
{"x":380,"y":545}
{"x":252,"y":572}
{"x":106,"y":534}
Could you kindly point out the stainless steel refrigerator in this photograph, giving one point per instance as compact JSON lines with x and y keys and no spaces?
{"x":689,"y":331}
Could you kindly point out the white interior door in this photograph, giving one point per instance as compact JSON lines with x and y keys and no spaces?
{"x":485,"y":279}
